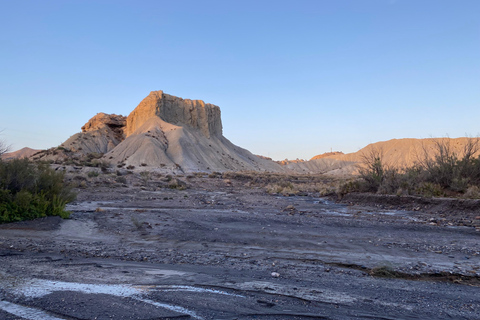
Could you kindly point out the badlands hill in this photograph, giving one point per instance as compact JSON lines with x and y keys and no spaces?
{"x":100,"y":134}
{"x":19,"y":154}
{"x":163,"y":132}
{"x":395,"y":153}
{"x":406,"y":152}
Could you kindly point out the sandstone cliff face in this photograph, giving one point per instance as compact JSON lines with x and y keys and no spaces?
{"x":194,"y":114}
{"x":115,"y":122}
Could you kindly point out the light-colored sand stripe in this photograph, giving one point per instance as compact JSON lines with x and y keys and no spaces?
{"x":26,"y":312}
{"x":171,"y":308}
{"x":36,"y":288}
{"x":169,"y":288}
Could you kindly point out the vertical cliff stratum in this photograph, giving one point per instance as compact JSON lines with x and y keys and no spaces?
{"x":194,"y":114}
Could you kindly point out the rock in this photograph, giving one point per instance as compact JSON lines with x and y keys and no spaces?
{"x":101,"y":120}
{"x":180,"y":135}
{"x":275,"y":274}
{"x":163,"y":133}
{"x":195,"y":114}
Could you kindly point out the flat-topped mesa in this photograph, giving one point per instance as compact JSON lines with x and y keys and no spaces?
{"x":194,"y":114}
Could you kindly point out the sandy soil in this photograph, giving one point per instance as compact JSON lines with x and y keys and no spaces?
{"x":221,"y":250}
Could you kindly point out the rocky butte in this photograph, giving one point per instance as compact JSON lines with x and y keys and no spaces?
{"x":164,"y":133}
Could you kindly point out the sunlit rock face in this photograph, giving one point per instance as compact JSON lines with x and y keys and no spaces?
{"x":163,"y":133}
{"x":115,"y":122}
{"x":172,"y":133}
{"x":194,"y":114}
{"x":100,"y":134}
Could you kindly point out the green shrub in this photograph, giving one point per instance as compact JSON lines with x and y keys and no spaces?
{"x":29,"y":190}
{"x":92,"y":174}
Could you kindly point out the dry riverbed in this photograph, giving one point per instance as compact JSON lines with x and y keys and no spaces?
{"x":223,"y":250}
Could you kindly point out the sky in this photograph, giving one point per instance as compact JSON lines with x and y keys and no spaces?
{"x":293,"y":79}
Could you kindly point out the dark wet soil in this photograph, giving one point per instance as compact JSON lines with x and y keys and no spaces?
{"x":223,"y":250}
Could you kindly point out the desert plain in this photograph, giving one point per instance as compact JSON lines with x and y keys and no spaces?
{"x":173,"y":221}
{"x":221,"y":247}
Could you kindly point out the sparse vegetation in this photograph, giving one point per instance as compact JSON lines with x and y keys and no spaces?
{"x":446,"y":173}
{"x":93,"y":174}
{"x":121,"y":179}
{"x":384,"y":271}
{"x":31,"y":190}
{"x":177,"y":184}
{"x":284,"y":184}
{"x":3,"y":147}
{"x":215,"y":175}
{"x":137,"y":223}
{"x":145,"y":176}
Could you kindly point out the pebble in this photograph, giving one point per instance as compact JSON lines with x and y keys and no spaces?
{"x":275,"y":274}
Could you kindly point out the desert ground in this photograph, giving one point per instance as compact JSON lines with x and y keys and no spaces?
{"x":208,"y":247}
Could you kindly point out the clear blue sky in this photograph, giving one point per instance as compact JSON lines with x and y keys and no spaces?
{"x":293,"y":78}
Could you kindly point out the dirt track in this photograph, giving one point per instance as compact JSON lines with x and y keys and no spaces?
{"x":219,"y":250}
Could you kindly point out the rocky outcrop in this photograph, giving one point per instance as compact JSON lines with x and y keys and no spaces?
{"x":100,"y":134}
{"x":116,"y":123}
{"x":193,"y":114}
{"x":286,"y":161}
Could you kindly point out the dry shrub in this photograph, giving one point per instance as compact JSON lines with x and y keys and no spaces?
{"x":384,"y":272}
{"x":445,"y":172}
{"x":177,"y":184}
{"x":284,"y":188}
{"x":285,"y":184}
{"x":473,"y":192}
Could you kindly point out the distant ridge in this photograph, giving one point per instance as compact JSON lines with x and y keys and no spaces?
{"x":327,"y":154}
{"x":405,"y":152}
{"x":19,"y":154}
{"x":397,"y":153}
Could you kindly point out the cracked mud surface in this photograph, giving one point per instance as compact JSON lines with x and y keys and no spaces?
{"x":223,"y":251}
